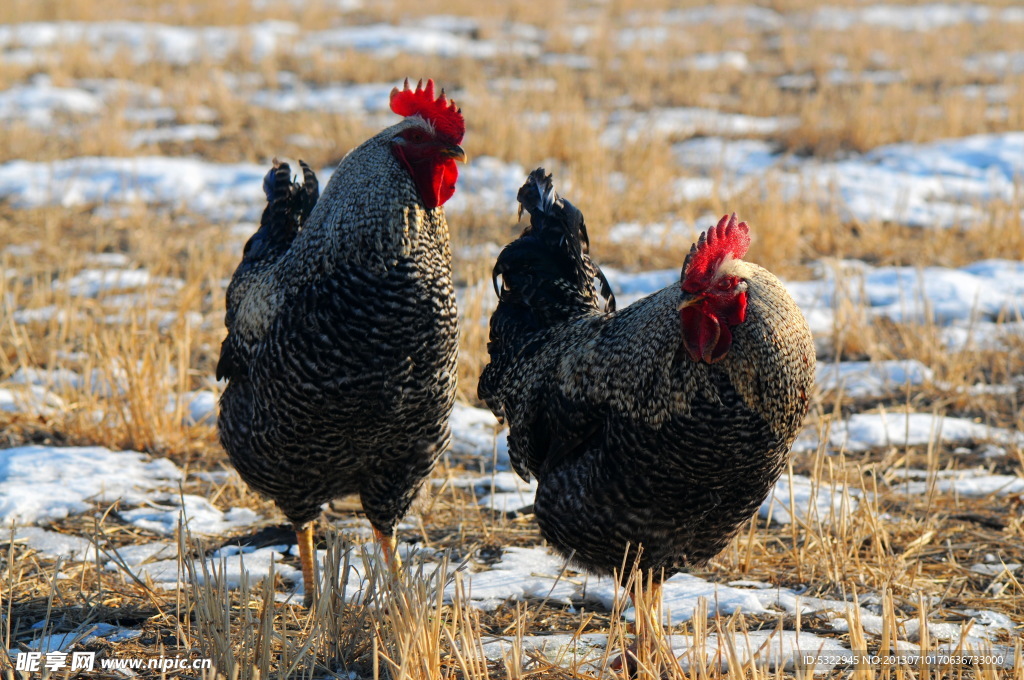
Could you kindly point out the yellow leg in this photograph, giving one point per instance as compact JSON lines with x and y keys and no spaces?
{"x":623,"y":662}
{"x":388,"y":546}
{"x":307,"y":555}
{"x":653,"y":594}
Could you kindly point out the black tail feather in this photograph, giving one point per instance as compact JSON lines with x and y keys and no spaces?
{"x":546,"y":278}
{"x":310,"y":192}
{"x":549,"y":265}
{"x":289,"y":204}
{"x":277,"y":182}
{"x":537,"y":196}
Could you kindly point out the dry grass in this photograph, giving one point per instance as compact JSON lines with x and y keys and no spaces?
{"x":916,"y":561}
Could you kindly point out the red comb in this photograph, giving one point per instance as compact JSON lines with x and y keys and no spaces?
{"x":442,"y":113}
{"x":728,"y":237}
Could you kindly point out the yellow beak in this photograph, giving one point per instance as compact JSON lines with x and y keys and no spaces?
{"x":454,"y":151}
{"x":691,"y":300}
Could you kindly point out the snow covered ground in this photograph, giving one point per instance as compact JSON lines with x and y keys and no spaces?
{"x":36,"y":486}
{"x":938,"y":185}
{"x":521,"y":573}
{"x":945,"y":184}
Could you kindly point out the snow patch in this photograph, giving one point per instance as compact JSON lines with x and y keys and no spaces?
{"x":30,"y":399}
{"x":388,"y":41}
{"x":969,"y":483}
{"x":139,"y":554}
{"x":174,"y":133}
{"x":475,"y":431}
{"x":52,"y":544}
{"x":232,"y":190}
{"x":229,"y":565}
{"x":92,"y":282}
{"x":522,"y":573}
{"x":39,"y":483}
{"x":200,"y":407}
{"x":487,"y":184}
{"x":200,"y":516}
{"x":863,"y":431}
{"x":871,"y":379}
{"x":83,"y":635}
{"x":223,"y":191}
{"x":356,"y":99}
{"x":922,"y":18}
{"x":145,"y":42}
{"x":799,"y":496}
{"x":935,"y":185}
{"x":40,"y":103}
{"x":680,"y":595}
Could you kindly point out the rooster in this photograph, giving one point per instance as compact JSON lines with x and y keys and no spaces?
{"x":342,"y":329}
{"x":656,"y":431}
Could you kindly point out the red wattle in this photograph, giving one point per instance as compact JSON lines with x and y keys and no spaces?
{"x":701,"y":332}
{"x":434,"y":177}
{"x":721,"y":347}
{"x":443,"y":180}
{"x":706,"y":327}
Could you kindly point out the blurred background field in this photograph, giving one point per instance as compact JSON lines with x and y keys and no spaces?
{"x":877,"y":150}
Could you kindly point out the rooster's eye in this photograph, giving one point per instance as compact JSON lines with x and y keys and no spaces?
{"x":725,"y":284}
{"x":416,"y":136}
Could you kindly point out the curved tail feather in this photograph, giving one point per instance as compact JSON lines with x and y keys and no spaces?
{"x":289,"y":204}
{"x":542,"y":279}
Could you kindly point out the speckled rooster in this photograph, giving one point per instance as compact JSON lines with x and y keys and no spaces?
{"x":342,"y":328}
{"x":662,"y":426}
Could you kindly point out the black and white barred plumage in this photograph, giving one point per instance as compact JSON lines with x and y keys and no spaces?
{"x":633,"y":442}
{"x":341,"y":353}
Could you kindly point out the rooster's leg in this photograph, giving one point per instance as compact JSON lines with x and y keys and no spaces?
{"x":389,"y":547}
{"x":307,"y":555}
{"x":627,"y":660}
{"x":649,"y":602}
